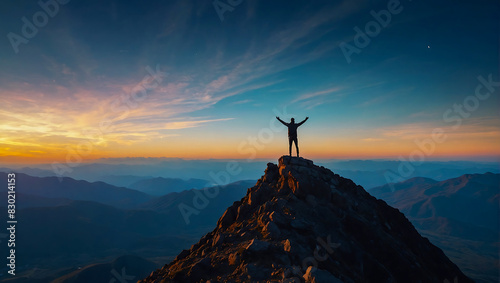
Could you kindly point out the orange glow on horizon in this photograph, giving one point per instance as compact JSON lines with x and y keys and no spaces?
{"x":332,"y":149}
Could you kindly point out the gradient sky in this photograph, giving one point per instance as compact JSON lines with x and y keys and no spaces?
{"x":68,"y":90}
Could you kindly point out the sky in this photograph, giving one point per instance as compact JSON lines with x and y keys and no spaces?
{"x":81,"y":80}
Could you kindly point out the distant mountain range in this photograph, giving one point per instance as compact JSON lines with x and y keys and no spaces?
{"x":205,"y":209}
{"x":123,"y":269}
{"x":461,"y":215}
{"x":123,"y":172}
{"x":122,"y":180}
{"x":470,"y":199}
{"x":68,"y":188}
{"x":143,"y":169}
{"x":74,"y":223}
{"x":162,"y":186}
{"x":373,"y":173}
{"x":83,"y":232}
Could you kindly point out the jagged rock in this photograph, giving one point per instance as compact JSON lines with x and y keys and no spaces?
{"x":234,"y":258}
{"x":256,"y":196}
{"x":272,"y":230}
{"x":182,"y":255}
{"x":289,"y":160}
{"x":302,"y":222}
{"x":199,"y":270}
{"x":257,"y":246}
{"x":227,"y":218}
{"x":278,"y":218}
{"x":314,"y":275}
{"x":293,"y":247}
{"x":256,"y":273}
{"x":287,"y":246}
{"x":219,"y":239}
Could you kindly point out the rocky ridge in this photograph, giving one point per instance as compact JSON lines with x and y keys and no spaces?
{"x":303,"y":223}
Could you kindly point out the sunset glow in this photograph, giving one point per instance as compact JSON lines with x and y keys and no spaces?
{"x":175,"y":81}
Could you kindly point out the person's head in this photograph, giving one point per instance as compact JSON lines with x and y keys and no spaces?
{"x":292,"y":120}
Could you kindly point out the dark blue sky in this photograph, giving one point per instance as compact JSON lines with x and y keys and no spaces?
{"x":225,"y":77}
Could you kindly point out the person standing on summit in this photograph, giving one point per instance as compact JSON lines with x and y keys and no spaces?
{"x":292,"y":133}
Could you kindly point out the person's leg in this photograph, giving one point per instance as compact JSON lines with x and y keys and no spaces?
{"x":290,"y":140}
{"x":297,"y":146}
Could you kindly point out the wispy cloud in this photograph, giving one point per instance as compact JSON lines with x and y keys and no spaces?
{"x":310,"y":100}
{"x":191,"y":124}
{"x":472,"y":128}
{"x":311,"y":95}
{"x":375,"y":100}
{"x":244,"y":101}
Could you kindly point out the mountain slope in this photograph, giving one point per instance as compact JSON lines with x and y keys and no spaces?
{"x":121,"y":180}
{"x":373,"y":173}
{"x":471,"y":198}
{"x":303,"y":221}
{"x":82,"y":232}
{"x":161,"y":186}
{"x":199,"y":208}
{"x":60,"y":234}
{"x":122,"y":269}
{"x":460,"y":215}
{"x":27,"y":200}
{"x":67,"y":188}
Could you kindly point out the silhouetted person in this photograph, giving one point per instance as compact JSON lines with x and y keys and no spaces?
{"x":292,"y":133}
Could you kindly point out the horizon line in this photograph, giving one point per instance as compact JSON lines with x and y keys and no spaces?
{"x":478,"y":159}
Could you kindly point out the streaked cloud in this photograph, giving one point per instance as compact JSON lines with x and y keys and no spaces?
{"x":191,"y":124}
{"x":308,"y":96}
{"x":473,"y":128}
{"x":373,"y":140}
{"x":312,"y":99}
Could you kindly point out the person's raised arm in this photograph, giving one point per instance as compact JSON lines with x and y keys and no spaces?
{"x":303,"y":121}
{"x":282,"y":122}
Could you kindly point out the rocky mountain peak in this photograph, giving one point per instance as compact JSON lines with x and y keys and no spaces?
{"x":303,"y":223}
